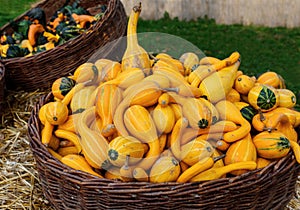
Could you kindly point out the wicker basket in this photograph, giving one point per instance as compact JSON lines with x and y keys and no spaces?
{"x":40,"y":70}
{"x":2,"y":88}
{"x":65,"y":188}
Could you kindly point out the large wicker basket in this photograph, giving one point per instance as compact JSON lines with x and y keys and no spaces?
{"x":40,"y":70}
{"x":268,"y":188}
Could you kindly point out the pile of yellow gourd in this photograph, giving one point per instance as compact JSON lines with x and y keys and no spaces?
{"x":162,"y":119}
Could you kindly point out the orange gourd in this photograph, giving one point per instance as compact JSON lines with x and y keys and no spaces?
{"x":121,"y":147}
{"x":239,"y":151}
{"x":56,"y":113}
{"x":107,"y":99}
{"x":271,"y":145}
{"x":165,"y":169}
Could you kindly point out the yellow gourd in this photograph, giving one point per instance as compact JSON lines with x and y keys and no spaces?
{"x":188,"y":60}
{"x":139,"y":123}
{"x":86,"y":72}
{"x":287,"y":98}
{"x":233,"y":96}
{"x":56,"y":113}
{"x":70,"y":136}
{"x":140,"y":175}
{"x":79,"y":163}
{"x":271,"y":145}
{"x":228,"y":111}
{"x":262,"y":162}
{"x":243,"y":84}
{"x":195,"y":169}
{"x":239,"y":151}
{"x":164,"y":118}
{"x":165,"y":169}
{"x":121,"y":147}
{"x":80,"y":100}
{"x":195,"y":150}
{"x":175,"y":137}
{"x":94,"y":145}
{"x":107,"y":99}
{"x":269,"y":78}
{"x":147,"y":97}
{"x":197,"y":113}
{"x":263,"y":97}
{"x":216,"y":86}
{"x":217,"y":173}
{"x":164,"y":99}
{"x":135,"y":55}
{"x":280,"y":122}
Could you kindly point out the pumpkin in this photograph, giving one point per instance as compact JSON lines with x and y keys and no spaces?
{"x":61,"y":86}
{"x":271,"y":145}
{"x":247,"y":111}
{"x":263,"y":97}
{"x":120,"y":147}
{"x":56,"y":113}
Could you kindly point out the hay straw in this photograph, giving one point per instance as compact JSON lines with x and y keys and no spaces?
{"x":20,"y":186}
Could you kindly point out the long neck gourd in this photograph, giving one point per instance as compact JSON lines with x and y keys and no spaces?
{"x":135,"y":56}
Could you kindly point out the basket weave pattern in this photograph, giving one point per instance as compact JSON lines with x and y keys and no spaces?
{"x":40,"y":70}
{"x":268,"y":188}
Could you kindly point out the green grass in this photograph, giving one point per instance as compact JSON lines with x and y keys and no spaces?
{"x":261,"y":48}
{"x":13,"y":8}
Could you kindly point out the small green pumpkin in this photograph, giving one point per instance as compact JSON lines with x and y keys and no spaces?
{"x":263,"y":97}
{"x":61,"y":86}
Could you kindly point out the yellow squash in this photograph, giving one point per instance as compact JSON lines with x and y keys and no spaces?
{"x":121,"y":147}
{"x":135,"y":55}
{"x":216,"y":86}
{"x":107,"y":99}
{"x":239,"y":151}
{"x":165,"y":169}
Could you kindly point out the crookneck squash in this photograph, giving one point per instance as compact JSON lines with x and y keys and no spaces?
{"x":135,"y":55}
